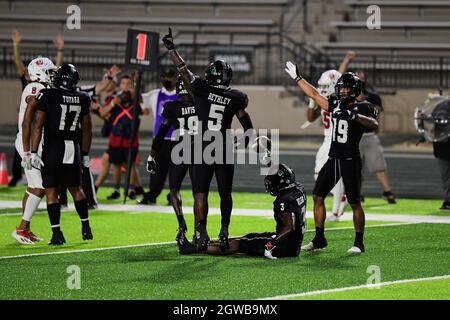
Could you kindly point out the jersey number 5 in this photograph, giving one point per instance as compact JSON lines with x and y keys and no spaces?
{"x":216,"y":114}
{"x":72,"y":108}
{"x":341,"y":127}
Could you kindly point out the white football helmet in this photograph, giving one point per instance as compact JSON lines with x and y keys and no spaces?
{"x":327,"y":81}
{"x":41,"y":69}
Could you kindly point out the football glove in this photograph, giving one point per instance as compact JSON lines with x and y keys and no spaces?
{"x":36,"y":161}
{"x":168,"y":40}
{"x":292,"y":70}
{"x":26,"y":161}
{"x":86,"y":161}
{"x":346,"y":114}
{"x":268,"y":250}
{"x":151,"y":165}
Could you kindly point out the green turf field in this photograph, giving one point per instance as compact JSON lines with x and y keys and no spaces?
{"x":133,"y":256}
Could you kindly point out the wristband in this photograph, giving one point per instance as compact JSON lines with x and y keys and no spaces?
{"x":298,"y":78}
{"x":109,"y":78}
{"x":181,"y":65}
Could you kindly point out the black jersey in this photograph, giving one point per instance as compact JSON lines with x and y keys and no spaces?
{"x":216,"y":106}
{"x":347,"y":134}
{"x":292,"y":201}
{"x":64,"y":110}
{"x":182,"y":115}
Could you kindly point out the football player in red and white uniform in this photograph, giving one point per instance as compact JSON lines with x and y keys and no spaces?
{"x":326,"y":85}
{"x":40,"y":71}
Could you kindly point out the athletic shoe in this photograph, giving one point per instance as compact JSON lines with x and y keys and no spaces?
{"x":132,"y":195}
{"x":21,"y":236}
{"x":33,"y":237}
{"x":333,"y":217}
{"x":223,"y":241}
{"x":315,"y":245}
{"x":185,"y":247}
{"x":139,"y":191}
{"x":57,"y":238}
{"x":114,"y":195}
{"x":389,"y":197}
{"x":445,"y":206}
{"x":86,"y":233}
{"x":356,"y":249}
{"x":202,"y":238}
{"x":181,"y":235}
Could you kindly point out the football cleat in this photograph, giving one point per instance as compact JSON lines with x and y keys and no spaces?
{"x":132,"y":195}
{"x":57,"y":238}
{"x":114,"y":195}
{"x":181,"y":235}
{"x":202,"y":238}
{"x":315,"y":245}
{"x":185,"y":247}
{"x":33,"y":237}
{"x":356,"y":249}
{"x":86,"y":233}
{"x":389,"y":197}
{"x":21,"y":236}
{"x":223,"y":241}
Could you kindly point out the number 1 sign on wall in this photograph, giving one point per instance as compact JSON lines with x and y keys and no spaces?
{"x":142,"y":49}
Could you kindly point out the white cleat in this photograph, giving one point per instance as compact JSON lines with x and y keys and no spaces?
{"x":354,"y":250}
{"x":310,"y":247}
{"x":21,"y":237}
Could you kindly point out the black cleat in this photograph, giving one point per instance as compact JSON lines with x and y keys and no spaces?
{"x":147,"y":200}
{"x":445,"y":206}
{"x":389,"y":197}
{"x":132,"y":195}
{"x":139,"y":191}
{"x":114,"y":195}
{"x":202,"y":238}
{"x":223,"y":241}
{"x":181,"y":235}
{"x":86,"y":233}
{"x":185,"y":247}
{"x":57,"y":239}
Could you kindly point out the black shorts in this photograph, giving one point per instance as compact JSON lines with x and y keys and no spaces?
{"x":119,"y":155}
{"x":177,"y":172}
{"x":203,"y":173}
{"x":55,"y":173}
{"x":333,"y":170}
{"x":254,"y":244}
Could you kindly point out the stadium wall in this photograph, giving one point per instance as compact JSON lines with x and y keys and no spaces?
{"x":269,"y":106}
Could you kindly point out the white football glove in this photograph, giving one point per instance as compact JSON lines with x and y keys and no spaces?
{"x":86,"y":161}
{"x":268,"y":251}
{"x":292,"y":70}
{"x":36,"y":161}
{"x":26,"y":161}
{"x":151,"y":165}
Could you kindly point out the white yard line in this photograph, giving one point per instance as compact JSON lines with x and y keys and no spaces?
{"x":364,"y":286}
{"x":165,"y":243}
{"x":140,"y":209}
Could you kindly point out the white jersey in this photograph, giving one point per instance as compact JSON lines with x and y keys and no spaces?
{"x":31,"y":89}
{"x":326,"y":120}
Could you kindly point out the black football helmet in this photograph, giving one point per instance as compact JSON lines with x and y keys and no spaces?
{"x":219,"y":73}
{"x":66,"y":77}
{"x":351,"y":81}
{"x":283,"y":179}
{"x":181,"y":89}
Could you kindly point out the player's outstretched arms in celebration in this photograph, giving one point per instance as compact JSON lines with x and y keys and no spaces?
{"x":307,"y":88}
{"x":177,"y":60}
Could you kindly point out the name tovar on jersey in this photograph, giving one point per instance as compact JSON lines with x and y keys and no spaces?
{"x":346,"y":134}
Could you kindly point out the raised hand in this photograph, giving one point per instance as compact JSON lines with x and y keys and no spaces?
{"x":168,"y":40}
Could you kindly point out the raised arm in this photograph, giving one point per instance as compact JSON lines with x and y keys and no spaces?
{"x":306,"y":87}
{"x":343,"y":67}
{"x":59,"y":44}
{"x":17,"y":38}
{"x":367,"y":122}
{"x":107,"y":79}
{"x":177,"y":60}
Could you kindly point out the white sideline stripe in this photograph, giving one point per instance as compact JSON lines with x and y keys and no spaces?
{"x":364,"y":286}
{"x":165,"y":243}
{"x":140,"y":209}
{"x":86,"y":250}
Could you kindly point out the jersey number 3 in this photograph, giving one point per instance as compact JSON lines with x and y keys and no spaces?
{"x":340,"y":130}
{"x":70,"y":108}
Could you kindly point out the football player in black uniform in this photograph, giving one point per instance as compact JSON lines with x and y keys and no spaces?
{"x":289,"y":210}
{"x":183,"y":116}
{"x":61,"y":109}
{"x":216,"y":105}
{"x":350,"y":120}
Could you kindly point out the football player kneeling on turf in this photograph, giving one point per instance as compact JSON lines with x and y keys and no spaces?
{"x":290,"y":216}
